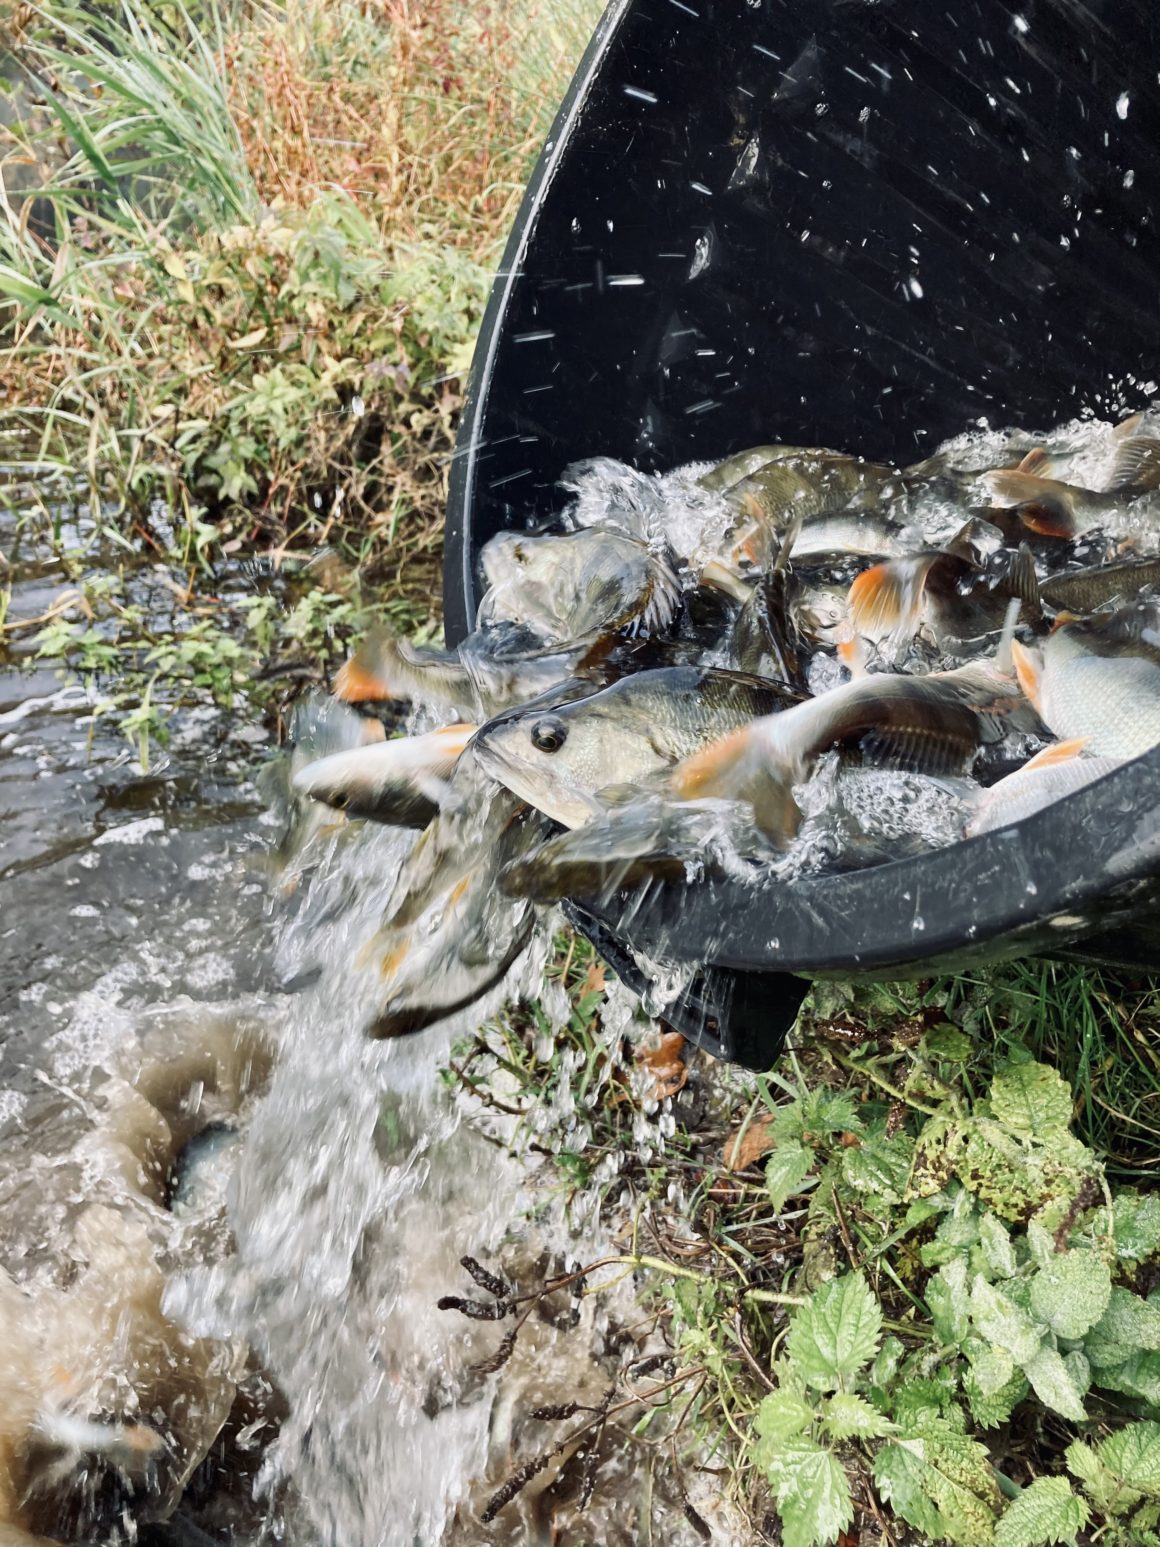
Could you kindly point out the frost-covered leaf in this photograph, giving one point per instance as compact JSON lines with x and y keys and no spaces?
{"x":1079,"y":1370}
{"x":1128,"y":1324}
{"x":1136,"y":1225}
{"x":1072,"y":1292}
{"x":1044,"y":1513}
{"x":1031,"y":1098}
{"x":813,"y":1496}
{"x":879,"y":1167}
{"x":782,"y":1415}
{"x":1101,"y":1485}
{"x":845,"y":1415}
{"x":949,"y":1302}
{"x":1002,"y":1322}
{"x":832,"y":1337}
{"x":900,"y":1475}
{"x":1054,"y":1384}
{"x":885,"y":1366}
{"x":785,"y":1171}
{"x":1133,"y":1455}
{"x":1041,"y":1244}
{"x":942,"y":1484}
{"x":993,"y":1367}
{"x":998,"y":1252}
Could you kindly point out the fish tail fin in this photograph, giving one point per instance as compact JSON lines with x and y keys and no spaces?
{"x":1028,"y":671}
{"x":1136,"y":469}
{"x":852,"y":654}
{"x":365,"y":677}
{"x":788,"y":538}
{"x":1034,"y":462}
{"x":720,"y":577}
{"x":1058,"y":752}
{"x":887,"y":598}
{"x":735,"y":768}
{"x":449,"y":743}
{"x":721,"y":769}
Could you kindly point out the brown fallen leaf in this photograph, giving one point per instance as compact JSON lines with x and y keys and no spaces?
{"x":748,"y":1144}
{"x":666,"y":1065}
{"x":594,"y":979}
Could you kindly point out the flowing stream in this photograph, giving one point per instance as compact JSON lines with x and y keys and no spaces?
{"x":226,"y":1216}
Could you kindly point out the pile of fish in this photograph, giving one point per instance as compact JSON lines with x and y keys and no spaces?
{"x":791,"y":661}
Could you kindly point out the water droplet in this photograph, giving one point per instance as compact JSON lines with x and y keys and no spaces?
{"x":1122,"y":102}
{"x":918,"y":923}
{"x":357,"y":407}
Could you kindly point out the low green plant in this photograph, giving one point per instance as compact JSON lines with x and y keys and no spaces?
{"x":933,"y":1305}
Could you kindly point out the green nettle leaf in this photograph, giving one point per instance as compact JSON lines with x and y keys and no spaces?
{"x":1128,"y":1324}
{"x":879,"y":1167}
{"x":1044,"y":1513}
{"x":832,"y":1337}
{"x":813,"y":1496}
{"x":992,"y":1367}
{"x":991,"y":1411}
{"x":785,"y":1171}
{"x":1041,"y":1244}
{"x":782,"y":1415}
{"x":998,"y":1252}
{"x":885,"y":1366}
{"x":942,"y":1484}
{"x":1031,"y":1098}
{"x":1136,"y":1225}
{"x":1054,"y":1384}
{"x":1137,"y":1376}
{"x":947,"y":1044}
{"x":917,"y":1402}
{"x":1133,"y":1455}
{"x":949,"y":1303}
{"x":1072,"y":1292}
{"x":845,"y":1415}
{"x":1003,"y":1323}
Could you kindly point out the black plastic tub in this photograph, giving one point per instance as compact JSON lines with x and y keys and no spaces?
{"x":857,"y":223}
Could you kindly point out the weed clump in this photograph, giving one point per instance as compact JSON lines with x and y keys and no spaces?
{"x":903,"y":1296}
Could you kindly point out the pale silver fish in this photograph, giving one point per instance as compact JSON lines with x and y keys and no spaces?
{"x":402,"y":782}
{"x":1056,"y":772}
{"x":449,"y":933}
{"x":570,"y":588}
{"x":1099,"y":678}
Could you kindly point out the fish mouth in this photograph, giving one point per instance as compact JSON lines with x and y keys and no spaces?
{"x":555,"y":800}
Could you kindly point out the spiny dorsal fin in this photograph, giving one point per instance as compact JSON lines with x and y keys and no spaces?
{"x":1136,"y":469}
{"x":1022,"y":581}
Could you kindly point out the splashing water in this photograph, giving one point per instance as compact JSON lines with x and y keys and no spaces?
{"x":356,"y":1192}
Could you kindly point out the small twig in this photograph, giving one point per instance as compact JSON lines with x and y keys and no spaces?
{"x":883,"y":1084}
{"x":748,"y":1354}
{"x":844,"y":1231}
{"x":62,"y":604}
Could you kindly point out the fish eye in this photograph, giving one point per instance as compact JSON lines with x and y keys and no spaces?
{"x":549,"y":735}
